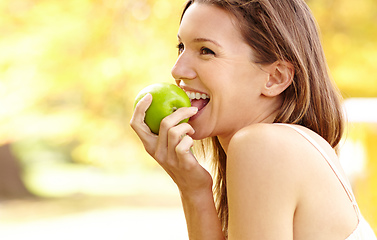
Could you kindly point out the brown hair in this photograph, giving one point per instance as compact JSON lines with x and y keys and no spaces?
{"x":283,"y":30}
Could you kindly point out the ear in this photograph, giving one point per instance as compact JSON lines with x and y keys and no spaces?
{"x":281,"y":75}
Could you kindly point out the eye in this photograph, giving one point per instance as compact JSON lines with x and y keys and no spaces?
{"x":206,"y":51}
{"x":180,"y":47}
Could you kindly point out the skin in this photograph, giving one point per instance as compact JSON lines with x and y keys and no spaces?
{"x":279,"y":186}
{"x":207,"y":50}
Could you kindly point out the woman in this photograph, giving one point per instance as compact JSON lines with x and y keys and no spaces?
{"x":271,"y":119}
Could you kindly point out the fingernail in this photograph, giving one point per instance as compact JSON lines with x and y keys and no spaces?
{"x":194,"y":109}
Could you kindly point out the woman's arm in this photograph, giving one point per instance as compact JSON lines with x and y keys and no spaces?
{"x":262,"y":181}
{"x":201,"y":216}
{"x":171,"y":149}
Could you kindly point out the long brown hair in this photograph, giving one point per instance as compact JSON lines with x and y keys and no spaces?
{"x":283,"y":30}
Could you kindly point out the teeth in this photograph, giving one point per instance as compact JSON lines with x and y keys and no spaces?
{"x":196,"y":95}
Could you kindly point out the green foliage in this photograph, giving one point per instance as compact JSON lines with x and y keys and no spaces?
{"x":349,"y":34}
{"x":70,"y":70}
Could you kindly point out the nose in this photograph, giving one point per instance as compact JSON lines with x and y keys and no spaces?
{"x":183,"y":68}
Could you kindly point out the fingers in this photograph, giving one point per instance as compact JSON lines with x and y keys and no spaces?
{"x":176,"y":135}
{"x":171,"y":131}
{"x":176,"y":117}
{"x":163,"y":147}
{"x":183,"y":150}
{"x":179,"y":151}
{"x":140,"y":127}
{"x":137,"y":122}
{"x":171,"y":148}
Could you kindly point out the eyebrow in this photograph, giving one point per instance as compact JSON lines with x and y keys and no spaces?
{"x":207,"y":40}
{"x":198,"y":40}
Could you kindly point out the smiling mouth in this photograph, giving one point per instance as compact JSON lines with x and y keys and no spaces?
{"x":199,"y":100}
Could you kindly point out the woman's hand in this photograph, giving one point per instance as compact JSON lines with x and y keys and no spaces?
{"x":172,"y":147}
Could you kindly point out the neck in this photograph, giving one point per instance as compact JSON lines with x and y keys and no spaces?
{"x":266,"y":117}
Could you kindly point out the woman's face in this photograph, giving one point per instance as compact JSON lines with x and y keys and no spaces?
{"x":215,"y":61}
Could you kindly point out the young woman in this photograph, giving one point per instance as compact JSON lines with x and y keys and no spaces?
{"x":271,"y":120}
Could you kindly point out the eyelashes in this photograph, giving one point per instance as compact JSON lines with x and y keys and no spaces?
{"x":180,"y":48}
{"x":206,"y":51}
{"x":202,"y":51}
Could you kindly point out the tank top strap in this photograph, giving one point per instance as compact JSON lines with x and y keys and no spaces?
{"x":344,"y":183}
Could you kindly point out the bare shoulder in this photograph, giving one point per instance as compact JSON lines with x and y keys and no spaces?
{"x":264,"y":175}
{"x":265,"y":139}
{"x":274,"y":147}
{"x":276,"y":177}
{"x":262,"y":150}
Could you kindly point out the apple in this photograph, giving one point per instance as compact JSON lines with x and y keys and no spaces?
{"x":166,"y":98}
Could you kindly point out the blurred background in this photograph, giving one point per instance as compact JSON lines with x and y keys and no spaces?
{"x":70,"y":165}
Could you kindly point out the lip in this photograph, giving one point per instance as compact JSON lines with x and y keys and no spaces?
{"x":190,"y":89}
{"x":197,"y":114}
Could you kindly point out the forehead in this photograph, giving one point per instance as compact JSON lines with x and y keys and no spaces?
{"x":205,"y":20}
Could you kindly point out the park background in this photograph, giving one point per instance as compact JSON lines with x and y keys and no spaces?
{"x":70,"y":165}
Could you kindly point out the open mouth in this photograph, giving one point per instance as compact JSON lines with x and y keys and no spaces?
{"x":199,"y":100}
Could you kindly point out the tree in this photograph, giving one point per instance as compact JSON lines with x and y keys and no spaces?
{"x":11,"y":184}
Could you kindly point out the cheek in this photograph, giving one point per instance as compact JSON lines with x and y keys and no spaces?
{"x":251,"y":82}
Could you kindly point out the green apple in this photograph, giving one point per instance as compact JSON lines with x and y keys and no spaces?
{"x":166,"y":98}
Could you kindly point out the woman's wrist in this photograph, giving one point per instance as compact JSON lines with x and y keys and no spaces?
{"x":201,"y":215}
{"x":197,"y":195}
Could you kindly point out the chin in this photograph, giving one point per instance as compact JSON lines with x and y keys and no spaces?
{"x":201,"y":134}
{"x":196,"y":136}
{"x":202,"y":130}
